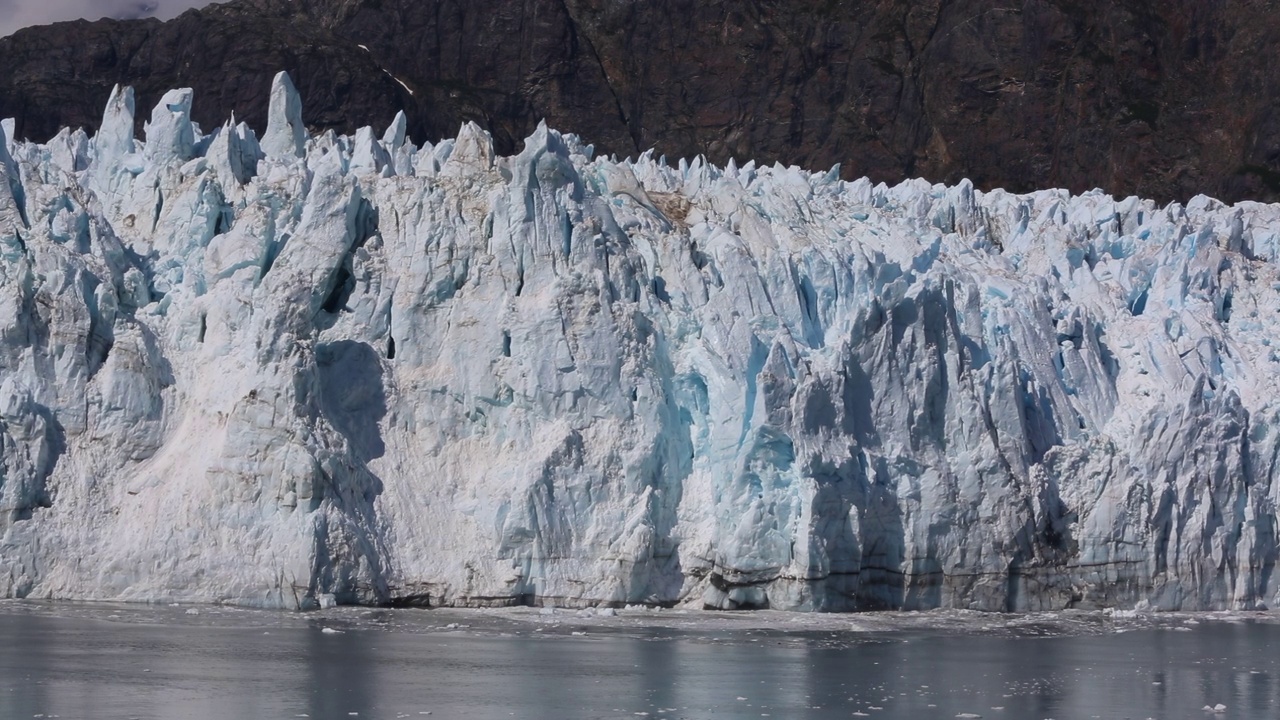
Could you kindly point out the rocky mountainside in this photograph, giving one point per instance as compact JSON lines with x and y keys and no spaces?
{"x":289,"y":369}
{"x":1164,"y":100}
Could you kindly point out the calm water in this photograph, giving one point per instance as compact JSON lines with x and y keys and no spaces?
{"x":174,"y":666}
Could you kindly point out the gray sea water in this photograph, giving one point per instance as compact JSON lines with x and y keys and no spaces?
{"x":92,"y":662}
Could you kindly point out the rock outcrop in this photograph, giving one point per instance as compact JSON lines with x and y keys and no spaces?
{"x":1165,"y":100}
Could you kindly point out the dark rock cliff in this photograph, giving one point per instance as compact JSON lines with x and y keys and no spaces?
{"x":1161,"y":99}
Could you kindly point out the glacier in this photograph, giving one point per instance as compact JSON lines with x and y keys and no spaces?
{"x":303,"y":369}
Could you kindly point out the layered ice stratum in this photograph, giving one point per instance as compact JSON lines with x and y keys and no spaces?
{"x":282,"y":370}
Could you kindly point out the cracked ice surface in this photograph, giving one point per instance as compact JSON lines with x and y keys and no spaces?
{"x":269,"y":372}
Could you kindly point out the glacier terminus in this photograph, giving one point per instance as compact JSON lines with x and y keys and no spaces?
{"x":280,"y":370}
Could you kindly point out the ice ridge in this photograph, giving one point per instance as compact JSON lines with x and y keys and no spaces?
{"x":307,"y":368}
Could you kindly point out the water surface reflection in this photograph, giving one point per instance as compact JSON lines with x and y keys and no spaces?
{"x":78,"y":667}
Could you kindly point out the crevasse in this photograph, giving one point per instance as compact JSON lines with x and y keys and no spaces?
{"x":265,"y":371}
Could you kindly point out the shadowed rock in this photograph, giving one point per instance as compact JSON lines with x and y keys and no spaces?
{"x":1162,"y":100}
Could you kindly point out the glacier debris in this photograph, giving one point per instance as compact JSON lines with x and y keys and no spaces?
{"x":306,"y":370}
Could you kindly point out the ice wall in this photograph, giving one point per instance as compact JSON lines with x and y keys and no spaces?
{"x":262,"y":373}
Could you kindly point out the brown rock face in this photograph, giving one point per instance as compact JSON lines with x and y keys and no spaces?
{"x":1160,"y":99}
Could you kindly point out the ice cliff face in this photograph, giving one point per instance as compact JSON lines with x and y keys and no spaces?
{"x":266,"y":370}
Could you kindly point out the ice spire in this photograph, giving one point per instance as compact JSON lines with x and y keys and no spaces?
{"x":394,"y":137}
{"x":367,"y":153}
{"x":170,"y":135}
{"x":115,"y":137}
{"x":286,"y":135}
{"x":6,"y":161}
{"x":472,"y":150}
{"x":11,"y":196}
